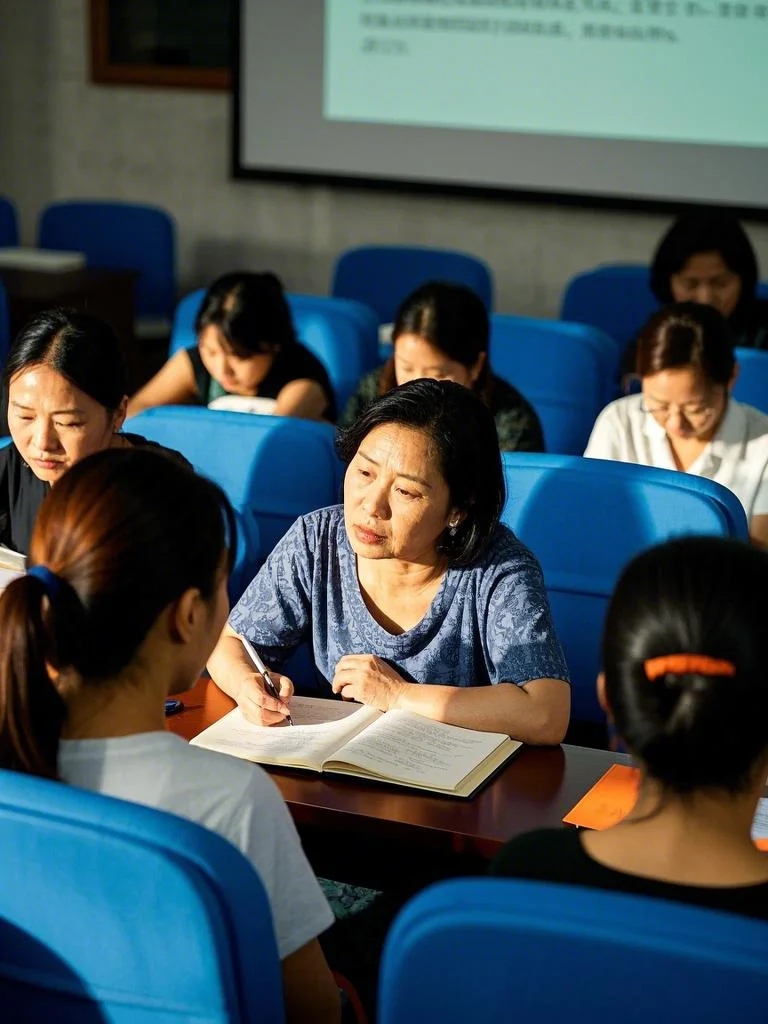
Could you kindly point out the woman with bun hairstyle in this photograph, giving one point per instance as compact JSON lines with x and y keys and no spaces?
{"x":685,"y":650}
{"x":247,"y":357}
{"x":123,"y":603}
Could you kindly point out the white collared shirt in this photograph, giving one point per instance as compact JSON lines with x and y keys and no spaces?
{"x":737,"y":456}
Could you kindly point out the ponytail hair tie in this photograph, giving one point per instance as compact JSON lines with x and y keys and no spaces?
{"x":51,"y":582}
{"x":687,"y":664}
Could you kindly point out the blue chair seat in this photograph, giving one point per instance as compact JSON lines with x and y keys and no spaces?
{"x":751,"y":385}
{"x":584,"y":519}
{"x":615,"y":297}
{"x":272,"y":468}
{"x":493,"y":949}
{"x":9,"y":222}
{"x":124,"y":235}
{"x":111,"y":911}
{"x":381,"y":276}
{"x":568,"y":372}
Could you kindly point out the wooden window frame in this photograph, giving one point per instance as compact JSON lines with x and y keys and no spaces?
{"x":105,"y":72}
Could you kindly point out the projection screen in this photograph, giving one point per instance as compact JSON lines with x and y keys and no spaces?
{"x":638,"y":100}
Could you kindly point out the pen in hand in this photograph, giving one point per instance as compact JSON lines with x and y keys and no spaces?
{"x":269,"y":685}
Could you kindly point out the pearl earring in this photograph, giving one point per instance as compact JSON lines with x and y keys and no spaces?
{"x":452,"y":529}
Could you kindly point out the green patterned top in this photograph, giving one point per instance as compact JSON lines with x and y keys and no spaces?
{"x":517,"y":424}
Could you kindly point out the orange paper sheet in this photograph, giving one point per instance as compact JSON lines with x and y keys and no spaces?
{"x":612,"y":798}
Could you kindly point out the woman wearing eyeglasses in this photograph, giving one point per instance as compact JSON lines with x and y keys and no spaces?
{"x":684,"y":417}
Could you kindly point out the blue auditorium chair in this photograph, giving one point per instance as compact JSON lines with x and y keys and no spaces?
{"x":381,"y":276}
{"x":496,"y":949}
{"x":584,"y":519}
{"x":751,"y":384}
{"x":343,"y":334}
{"x":615,"y":297}
{"x":184,"y":316}
{"x":568,"y":372}
{"x":123,"y":235}
{"x":9,"y":222}
{"x":273,"y":468}
{"x":111,"y":911}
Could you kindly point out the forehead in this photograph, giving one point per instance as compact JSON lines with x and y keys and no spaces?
{"x":417,"y":349}
{"x":684,"y":384}
{"x":41,"y":385}
{"x":213,"y":337}
{"x":402,"y":450}
{"x":705,"y":264}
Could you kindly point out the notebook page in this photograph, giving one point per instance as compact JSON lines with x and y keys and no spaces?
{"x":320,"y":727}
{"x":10,"y":559}
{"x":412,"y":749}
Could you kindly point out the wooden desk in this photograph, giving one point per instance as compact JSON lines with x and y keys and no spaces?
{"x":106,"y":293}
{"x":534,"y":790}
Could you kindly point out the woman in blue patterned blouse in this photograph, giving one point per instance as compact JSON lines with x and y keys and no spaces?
{"x":411,"y":593}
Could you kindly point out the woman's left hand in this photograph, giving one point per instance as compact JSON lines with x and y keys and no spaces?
{"x":369,"y":680}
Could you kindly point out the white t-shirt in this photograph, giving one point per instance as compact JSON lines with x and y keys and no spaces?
{"x":235,"y":798}
{"x":737,"y":456}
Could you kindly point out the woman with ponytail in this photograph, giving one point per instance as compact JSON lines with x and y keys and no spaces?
{"x":685,"y":657}
{"x":123,"y":602}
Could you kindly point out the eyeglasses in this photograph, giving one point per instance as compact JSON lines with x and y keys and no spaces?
{"x":695,"y":413}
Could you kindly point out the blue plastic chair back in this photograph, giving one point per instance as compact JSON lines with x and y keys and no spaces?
{"x":489,"y":950}
{"x":343,"y":334}
{"x":568,"y":372}
{"x":381,"y":276}
{"x":751,"y":384}
{"x":584,"y":519}
{"x":9,"y":222}
{"x":616,"y":298}
{"x":111,"y":911}
{"x":183,"y":330}
{"x":272,"y":468}
{"x":121,"y":235}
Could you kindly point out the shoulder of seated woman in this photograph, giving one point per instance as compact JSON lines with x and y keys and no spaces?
{"x":137,"y":441}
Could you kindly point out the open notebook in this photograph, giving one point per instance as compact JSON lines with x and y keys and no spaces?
{"x":352,"y":739}
{"x":12,"y":564}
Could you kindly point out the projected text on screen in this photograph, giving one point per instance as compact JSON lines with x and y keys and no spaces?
{"x":658,"y":70}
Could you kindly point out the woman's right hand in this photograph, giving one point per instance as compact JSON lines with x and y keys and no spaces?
{"x":257,"y":705}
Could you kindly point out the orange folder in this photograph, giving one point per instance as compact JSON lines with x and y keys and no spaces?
{"x":612,"y":798}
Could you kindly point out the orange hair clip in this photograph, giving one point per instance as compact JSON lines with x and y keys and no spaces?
{"x":685,"y":664}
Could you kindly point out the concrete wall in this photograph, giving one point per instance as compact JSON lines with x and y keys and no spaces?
{"x":63,"y":137}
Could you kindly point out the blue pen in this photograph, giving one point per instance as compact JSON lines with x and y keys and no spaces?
{"x":255,"y":657}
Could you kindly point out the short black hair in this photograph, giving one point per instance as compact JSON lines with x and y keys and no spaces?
{"x":463,"y":433}
{"x":691,"y":595}
{"x":250,"y":310}
{"x":710,"y":231}
{"x":82,"y":348}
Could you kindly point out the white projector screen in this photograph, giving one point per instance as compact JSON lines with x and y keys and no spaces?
{"x":656,"y":101}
